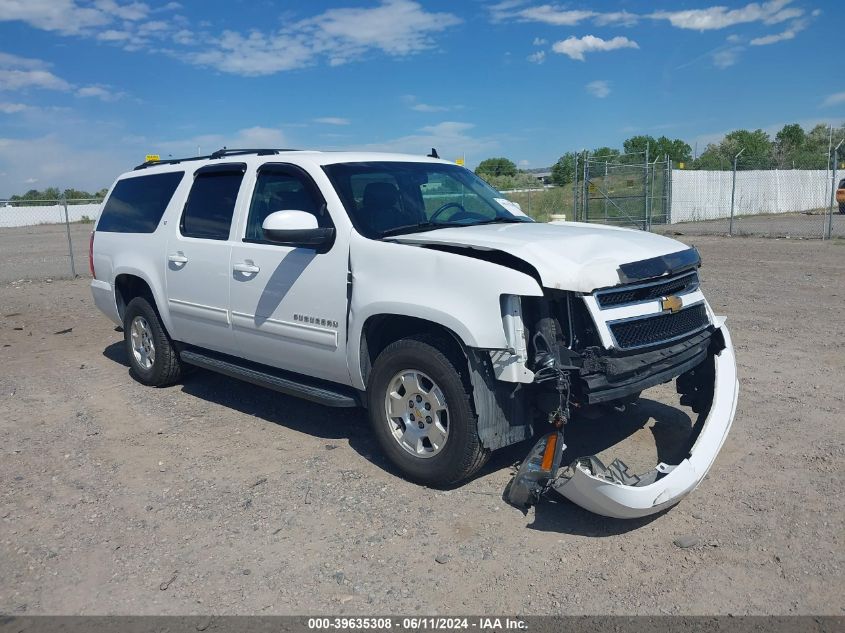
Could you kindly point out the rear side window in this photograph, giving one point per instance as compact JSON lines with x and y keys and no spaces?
{"x":211,"y":203}
{"x":137,"y":204}
{"x":842,"y":184}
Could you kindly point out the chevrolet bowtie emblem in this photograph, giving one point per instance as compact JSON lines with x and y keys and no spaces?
{"x":671,"y":303}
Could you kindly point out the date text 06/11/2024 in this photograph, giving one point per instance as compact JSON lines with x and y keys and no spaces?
{"x":487,"y":624}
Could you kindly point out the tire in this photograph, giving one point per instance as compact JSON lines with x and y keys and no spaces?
{"x":163,"y":366}
{"x":842,"y":207}
{"x":448,"y":459}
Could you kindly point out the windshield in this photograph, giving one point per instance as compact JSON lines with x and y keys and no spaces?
{"x":390,"y":198}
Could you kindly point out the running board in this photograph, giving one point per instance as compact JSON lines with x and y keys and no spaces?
{"x":272,"y":379}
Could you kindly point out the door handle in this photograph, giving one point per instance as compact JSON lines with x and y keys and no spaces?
{"x":245,"y":267}
{"x":178,"y":258}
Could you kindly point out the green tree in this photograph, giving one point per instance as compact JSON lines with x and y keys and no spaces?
{"x":789,"y":143}
{"x":758,"y":151}
{"x":677,"y":149}
{"x":496,"y":167}
{"x":636,"y":146}
{"x":605,"y":153}
{"x":563,"y":171}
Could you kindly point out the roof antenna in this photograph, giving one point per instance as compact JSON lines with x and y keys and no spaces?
{"x":433,"y":153}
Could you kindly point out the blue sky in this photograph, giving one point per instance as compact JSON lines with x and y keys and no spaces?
{"x":88,"y":87}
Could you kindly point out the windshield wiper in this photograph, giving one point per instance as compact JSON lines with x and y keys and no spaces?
{"x":413,"y":228}
{"x":421,"y":226}
{"x":502,"y":221}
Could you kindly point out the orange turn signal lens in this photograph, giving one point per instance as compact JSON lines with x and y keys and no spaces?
{"x":549,"y":453}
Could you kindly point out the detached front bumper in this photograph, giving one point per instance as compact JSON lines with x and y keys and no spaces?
{"x":611,"y":492}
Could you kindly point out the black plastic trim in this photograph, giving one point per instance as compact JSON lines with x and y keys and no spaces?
{"x":223,"y":168}
{"x":610,"y":376}
{"x":659,"y":266}
{"x":321,"y":392}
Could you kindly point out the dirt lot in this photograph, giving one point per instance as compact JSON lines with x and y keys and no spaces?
{"x":803,"y":225}
{"x":217,"y":497}
{"x":41,"y":252}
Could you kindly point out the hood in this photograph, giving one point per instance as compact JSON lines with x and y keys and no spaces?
{"x":567,"y":255}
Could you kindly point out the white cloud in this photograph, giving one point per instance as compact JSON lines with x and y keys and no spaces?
{"x":257,"y":136}
{"x":549,"y":14}
{"x":788,"y":34}
{"x":397,"y":27}
{"x":55,"y":161}
{"x":113,"y":35}
{"x":414,"y":104}
{"x":23,"y":79}
{"x":726,"y":57}
{"x":616,"y":18}
{"x":555,"y":15}
{"x":837,"y":98}
{"x":427,"y":107}
{"x":64,"y":16}
{"x":99,"y":92}
{"x":450,"y":138}
{"x":338,"y":36}
{"x":12,"y":108}
{"x":132,"y":11}
{"x":575,"y":47}
{"x":7,"y":60}
{"x":539,"y":41}
{"x":720,"y":17}
{"x":599,"y":88}
{"x":332,"y":120}
{"x":537,"y":58}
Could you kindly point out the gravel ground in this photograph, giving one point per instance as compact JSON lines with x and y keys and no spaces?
{"x":793,"y":225}
{"x":213,"y":496}
{"x":41,"y":252}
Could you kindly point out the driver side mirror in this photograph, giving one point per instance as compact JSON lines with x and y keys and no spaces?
{"x":296,"y":228}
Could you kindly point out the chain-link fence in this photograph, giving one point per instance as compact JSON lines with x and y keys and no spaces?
{"x":744,"y":199}
{"x":44,"y":239}
{"x":752,"y":201}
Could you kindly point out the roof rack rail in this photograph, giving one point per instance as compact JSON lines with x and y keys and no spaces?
{"x":220,"y":153}
{"x":168,"y":161}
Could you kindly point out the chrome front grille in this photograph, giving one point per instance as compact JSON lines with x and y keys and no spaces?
{"x":636,"y":293}
{"x":634,"y":315}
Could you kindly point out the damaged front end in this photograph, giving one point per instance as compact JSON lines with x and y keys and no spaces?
{"x":603,"y":350}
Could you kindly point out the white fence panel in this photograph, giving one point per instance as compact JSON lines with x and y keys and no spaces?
{"x":49,"y":214}
{"x":706,"y":195}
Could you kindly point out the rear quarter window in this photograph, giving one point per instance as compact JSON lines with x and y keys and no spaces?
{"x":137,"y":204}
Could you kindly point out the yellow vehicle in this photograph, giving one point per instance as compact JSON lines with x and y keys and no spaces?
{"x":840,"y":196}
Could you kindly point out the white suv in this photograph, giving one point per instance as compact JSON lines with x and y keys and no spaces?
{"x":411,"y":287}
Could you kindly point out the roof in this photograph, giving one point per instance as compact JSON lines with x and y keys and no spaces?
{"x":294,"y":156}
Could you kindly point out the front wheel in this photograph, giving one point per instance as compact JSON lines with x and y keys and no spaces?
{"x":421,"y":414}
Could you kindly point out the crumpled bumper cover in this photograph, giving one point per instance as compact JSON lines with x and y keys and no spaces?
{"x":609,"y":491}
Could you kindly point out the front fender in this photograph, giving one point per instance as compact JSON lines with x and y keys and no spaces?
{"x":458,"y":292}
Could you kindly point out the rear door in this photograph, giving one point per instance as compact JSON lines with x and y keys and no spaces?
{"x":289,"y":303}
{"x":198,"y":259}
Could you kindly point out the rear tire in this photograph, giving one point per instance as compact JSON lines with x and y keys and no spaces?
{"x":842,"y":207}
{"x":153,"y":360}
{"x":411,"y":379}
